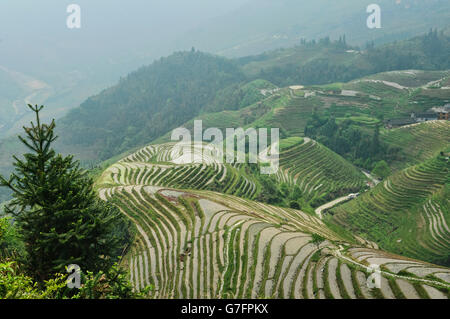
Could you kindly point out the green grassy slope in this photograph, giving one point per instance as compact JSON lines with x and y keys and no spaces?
{"x":157,"y":98}
{"x":397,"y":214}
{"x":321,"y":174}
{"x":328,"y":61}
{"x":418,"y":142}
{"x":203,"y":244}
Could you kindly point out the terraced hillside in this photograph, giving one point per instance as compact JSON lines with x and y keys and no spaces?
{"x":204,"y":244}
{"x":404,"y":213}
{"x":357,"y":105}
{"x":188,"y":166}
{"x":418,"y":142}
{"x":201,"y":244}
{"x":294,"y":115}
{"x":320,"y":173}
{"x":412,"y":78}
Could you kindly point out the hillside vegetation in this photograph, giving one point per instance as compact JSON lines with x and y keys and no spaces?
{"x":153,"y":100}
{"x":309,"y":173}
{"x":349,"y":117}
{"x":418,"y":142}
{"x":342,"y":116}
{"x":146,"y":104}
{"x":261,"y":25}
{"x":328,"y":61}
{"x":203,"y":244}
{"x":407,"y":213}
{"x":321,"y":174}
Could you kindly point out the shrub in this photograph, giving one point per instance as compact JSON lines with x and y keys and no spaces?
{"x":14,"y":285}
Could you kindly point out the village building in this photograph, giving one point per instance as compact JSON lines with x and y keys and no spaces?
{"x":424,"y":117}
{"x":436,"y":113}
{"x":443,"y":116}
{"x":393,"y":123}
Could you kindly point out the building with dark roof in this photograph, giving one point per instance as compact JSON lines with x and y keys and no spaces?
{"x":424,"y":117}
{"x":392,"y":123}
{"x":443,"y":116}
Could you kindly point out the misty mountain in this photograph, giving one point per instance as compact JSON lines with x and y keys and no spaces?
{"x":261,"y":25}
{"x":156,"y":99}
{"x":72,"y":64}
{"x":326,"y":61}
{"x":146,"y":103}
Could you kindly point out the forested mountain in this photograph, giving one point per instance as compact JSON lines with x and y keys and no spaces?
{"x":147,"y":103}
{"x":252,"y":28}
{"x":153,"y":100}
{"x":327,"y":61}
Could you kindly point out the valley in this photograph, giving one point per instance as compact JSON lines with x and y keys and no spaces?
{"x":340,"y":218}
{"x":195,"y":243}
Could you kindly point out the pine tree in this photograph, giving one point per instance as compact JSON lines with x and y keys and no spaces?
{"x":61,"y":220}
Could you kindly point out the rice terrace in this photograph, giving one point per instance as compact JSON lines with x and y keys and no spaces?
{"x":197,"y":243}
{"x":225,"y":158}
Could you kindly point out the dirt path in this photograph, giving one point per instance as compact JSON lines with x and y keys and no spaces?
{"x":338,"y":253}
{"x":320,"y":209}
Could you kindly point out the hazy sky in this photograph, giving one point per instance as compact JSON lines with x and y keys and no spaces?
{"x":32,"y":31}
{"x":117,"y":36}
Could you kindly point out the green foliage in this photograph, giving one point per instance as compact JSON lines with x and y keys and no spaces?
{"x":15,"y":285}
{"x":381,"y":169}
{"x":10,"y":242}
{"x":328,"y":61}
{"x":237,"y":96}
{"x":280,"y":194}
{"x":269,"y":191}
{"x":147,"y":103}
{"x":290,"y":142}
{"x":59,"y":216}
{"x":110,"y":284}
{"x":317,"y":239}
{"x":350,"y":141}
{"x":295,"y":205}
{"x":316,"y":256}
